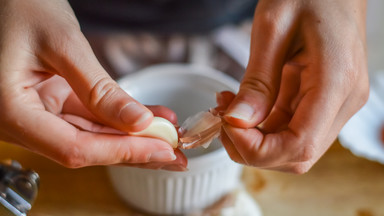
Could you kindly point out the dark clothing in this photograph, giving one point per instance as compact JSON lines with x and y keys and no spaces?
{"x":161,"y":15}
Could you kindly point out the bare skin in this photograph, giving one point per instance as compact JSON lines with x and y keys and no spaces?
{"x":56,"y":99}
{"x":307,"y":75}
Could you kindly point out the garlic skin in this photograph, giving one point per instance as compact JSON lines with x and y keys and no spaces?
{"x":200,"y":130}
{"x":160,"y":128}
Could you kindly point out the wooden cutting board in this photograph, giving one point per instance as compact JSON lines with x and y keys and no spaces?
{"x":339,"y":184}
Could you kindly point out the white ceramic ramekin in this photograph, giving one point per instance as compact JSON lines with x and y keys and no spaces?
{"x":187,"y":90}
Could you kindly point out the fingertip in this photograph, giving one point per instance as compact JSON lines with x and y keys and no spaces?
{"x":173,"y":118}
{"x":181,"y":158}
{"x":247,"y":109}
{"x":235,"y":121}
{"x":179,"y":165}
{"x":164,"y":112}
{"x":224,"y":98}
{"x":228,"y":95}
{"x":240,"y":114}
{"x":162,"y":156}
{"x":219,"y":98}
{"x":241,"y":110}
{"x":175,"y":168}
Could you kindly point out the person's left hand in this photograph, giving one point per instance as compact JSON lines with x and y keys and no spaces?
{"x":59,"y":99}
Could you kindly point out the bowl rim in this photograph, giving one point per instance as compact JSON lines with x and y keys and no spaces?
{"x":186,"y":69}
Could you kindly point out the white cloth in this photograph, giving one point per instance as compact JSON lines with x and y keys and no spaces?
{"x":362,"y":132}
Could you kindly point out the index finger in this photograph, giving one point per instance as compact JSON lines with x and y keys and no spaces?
{"x":305,"y":138}
{"x":47,"y":134}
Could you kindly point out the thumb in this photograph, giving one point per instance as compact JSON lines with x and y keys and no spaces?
{"x":75,"y":61}
{"x":260,"y":85}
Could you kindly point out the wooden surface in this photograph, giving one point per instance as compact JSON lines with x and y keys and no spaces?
{"x":339,"y":184}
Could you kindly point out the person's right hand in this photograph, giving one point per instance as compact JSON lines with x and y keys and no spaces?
{"x":49,"y":77}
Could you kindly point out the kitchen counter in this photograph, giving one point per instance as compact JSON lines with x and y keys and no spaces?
{"x":339,"y":184}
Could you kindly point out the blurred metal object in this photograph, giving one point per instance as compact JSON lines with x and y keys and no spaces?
{"x":18,"y":189}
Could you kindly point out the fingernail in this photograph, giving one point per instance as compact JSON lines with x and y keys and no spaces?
{"x":241,"y":111}
{"x":175,"y":167}
{"x":130,"y":112}
{"x":162,"y":156}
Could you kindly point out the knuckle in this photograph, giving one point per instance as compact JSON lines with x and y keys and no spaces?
{"x":267,"y":21}
{"x":64,"y":37}
{"x":274,"y":19}
{"x":125,"y":155}
{"x":102,"y":92}
{"x":73,"y":157}
{"x":304,"y":148}
{"x":52,"y":104}
{"x":258,"y":84}
{"x":306,"y":154}
{"x":300,"y":168}
{"x":126,"y":152}
{"x":64,"y":42}
{"x":70,"y":34}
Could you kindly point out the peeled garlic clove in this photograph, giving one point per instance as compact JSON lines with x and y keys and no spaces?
{"x":162,"y":129}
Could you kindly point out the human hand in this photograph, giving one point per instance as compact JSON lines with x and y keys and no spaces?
{"x":58,"y":101}
{"x":306,"y":76}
